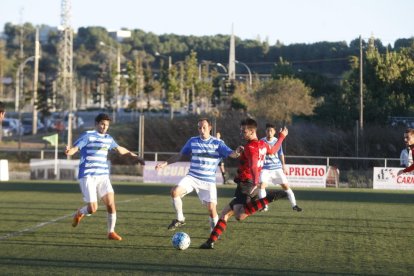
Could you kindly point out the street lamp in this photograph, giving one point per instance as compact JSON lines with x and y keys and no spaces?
{"x":166,"y":57}
{"x":19,"y":82}
{"x":222,"y":66}
{"x":118,"y":77}
{"x":248,"y":70}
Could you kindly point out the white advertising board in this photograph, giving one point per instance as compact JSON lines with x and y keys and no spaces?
{"x":386,"y":178}
{"x":298,"y":175}
{"x":311,"y":176}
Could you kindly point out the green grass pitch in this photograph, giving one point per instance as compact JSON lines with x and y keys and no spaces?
{"x":340,"y":232}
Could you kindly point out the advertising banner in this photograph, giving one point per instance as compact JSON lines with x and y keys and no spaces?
{"x":306,"y":176}
{"x":170,"y":174}
{"x":386,"y":178}
{"x":298,"y":176}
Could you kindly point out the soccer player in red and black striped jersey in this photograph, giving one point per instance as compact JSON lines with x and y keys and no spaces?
{"x":246,"y":202}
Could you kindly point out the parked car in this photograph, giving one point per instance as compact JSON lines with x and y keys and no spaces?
{"x":28,"y":126}
{"x":60,"y":122}
{"x":17,"y":125}
{"x":8,"y":128}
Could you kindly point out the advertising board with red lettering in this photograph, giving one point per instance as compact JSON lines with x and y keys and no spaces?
{"x":388,"y":179}
{"x":312,"y":176}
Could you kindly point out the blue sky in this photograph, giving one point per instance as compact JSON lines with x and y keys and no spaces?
{"x":289,"y":21}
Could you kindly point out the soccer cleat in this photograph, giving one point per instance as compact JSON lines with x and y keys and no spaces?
{"x":275,"y":195}
{"x":175,"y":224}
{"x":77,"y":218}
{"x":114,"y":236}
{"x":297,"y":208}
{"x":207,"y":245}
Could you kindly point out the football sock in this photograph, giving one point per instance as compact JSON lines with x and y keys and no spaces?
{"x":218,"y":230}
{"x":213,"y":222}
{"x":291,"y":197}
{"x":178,"y":206}
{"x":111,"y":222}
{"x":262,"y":193}
{"x":253,"y":206}
{"x":84,"y":210}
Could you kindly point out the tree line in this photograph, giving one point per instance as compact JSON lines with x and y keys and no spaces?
{"x":317,"y":82}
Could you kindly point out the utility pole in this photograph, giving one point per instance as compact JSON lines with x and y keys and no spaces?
{"x":361,"y":84}
{"x":232,"y":57}
{"x":35,"y":81}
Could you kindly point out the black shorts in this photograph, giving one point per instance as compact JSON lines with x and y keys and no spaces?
{"x":242,"y":194}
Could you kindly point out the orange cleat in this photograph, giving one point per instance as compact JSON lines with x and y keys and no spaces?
{"x":77,"y":218}
{"x":114,"y":236}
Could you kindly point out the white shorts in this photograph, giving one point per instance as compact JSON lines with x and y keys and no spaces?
{"x":94,"y":187}
{"x":206,"y":191}
{"x":273,"y":177}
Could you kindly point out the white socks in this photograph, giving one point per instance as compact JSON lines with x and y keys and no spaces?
{"x":111,"y":222}
{"x":262,"y":193}
{"x":291,"y":197}
{"x":178,"y":206}
{"x":213,"y":222}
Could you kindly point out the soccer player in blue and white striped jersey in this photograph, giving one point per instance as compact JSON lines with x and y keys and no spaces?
{"x":206,"y":152}
{"x":274,"y":171}
{"x":94,"y":181}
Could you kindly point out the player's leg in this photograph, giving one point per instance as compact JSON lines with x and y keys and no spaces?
{"x":107,"y":194}
{"x":88,"y":188}
{"x":252,"y":207}
{"x":219,"y":229}
{"x":262,"y":194}
{"x":177,"y":193}
{"x":266,"y":178}
{"x":109,"y":201}
{"x":207,"y":193}
{"x":291,"y":196}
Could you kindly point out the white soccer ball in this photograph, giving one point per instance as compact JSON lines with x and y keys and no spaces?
{"x":181,"y":240}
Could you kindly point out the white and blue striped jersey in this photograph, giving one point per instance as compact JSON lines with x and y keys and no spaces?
{"x":205,"y":156}
{"x":272,"y":161}
{"x":94,"y":148}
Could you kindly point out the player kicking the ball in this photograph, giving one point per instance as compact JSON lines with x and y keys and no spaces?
{"x":94,"y":180}
{"x":246,"y":202}
{"x":206,"y":152}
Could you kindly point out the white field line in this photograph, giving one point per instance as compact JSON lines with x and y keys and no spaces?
{"x":42,"y":224}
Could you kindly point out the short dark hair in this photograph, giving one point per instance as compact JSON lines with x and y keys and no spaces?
{"x":102,"y":117}
{"x":2,"y":107}
{"x":270,"y":125}
{"x":410,"y":131}
{"x":205,"y":119}
{"x":249,"y":123}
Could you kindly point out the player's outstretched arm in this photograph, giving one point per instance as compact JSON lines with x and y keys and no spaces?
{"x":172,"y":159}
{"x":128,"y":153}
{"x":69,"y":151}
{"x":275,"y":148}
{"x":236,"y":153}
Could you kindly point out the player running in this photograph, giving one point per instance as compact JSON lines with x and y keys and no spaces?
{"x":246,"y":202}
{"x":94,"y":181}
